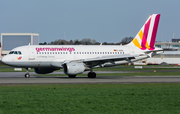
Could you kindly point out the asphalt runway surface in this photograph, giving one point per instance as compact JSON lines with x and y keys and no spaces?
{"x":8,"y":78}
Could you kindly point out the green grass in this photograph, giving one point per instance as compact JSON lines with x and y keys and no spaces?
{"x":131,"y":69}
{"x":5,"y":68}
{"x":151,"y":71}
{"x":12,"y":70}
{"x":91,"y":98}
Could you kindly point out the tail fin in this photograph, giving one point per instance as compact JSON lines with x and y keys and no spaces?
{"x":145,"y":39}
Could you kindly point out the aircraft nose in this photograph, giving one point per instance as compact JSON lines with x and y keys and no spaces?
{"x":5,"y":60}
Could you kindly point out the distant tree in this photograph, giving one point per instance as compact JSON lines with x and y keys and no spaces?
{"x":97,"y":43}
{"x":105,"y":43}
{"x":43,"y":43}
{"x":86,"y":41}
{"x":126,"y":40}
{"x":76,"y":42}
{"x":70,"y":42}
{"x":93,"y":41}
{"x":62,"y":43}
{"x":52,"y":43}
{"x":56,"y":42}
{"x":118,"y":43}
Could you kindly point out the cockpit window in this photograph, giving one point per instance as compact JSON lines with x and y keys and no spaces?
{"x":11,"y":52}
{"x":15,"y":52}
{"x":19,"y":52}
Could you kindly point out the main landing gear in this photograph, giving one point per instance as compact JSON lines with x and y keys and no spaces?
{"x":91,"y":74}
{"x":72,"y":76}
{"x":27,"y":75}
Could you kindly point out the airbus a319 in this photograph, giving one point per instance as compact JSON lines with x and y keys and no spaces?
{"x":76,"y":59}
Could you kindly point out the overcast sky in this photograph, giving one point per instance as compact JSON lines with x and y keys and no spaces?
{"x":102,"y":20}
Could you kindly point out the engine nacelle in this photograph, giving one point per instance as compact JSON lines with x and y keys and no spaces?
{"x":44,"y":70}
{"x":73,"y":68}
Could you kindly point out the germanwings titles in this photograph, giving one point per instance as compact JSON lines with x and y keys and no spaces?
{"x":76,"y":59}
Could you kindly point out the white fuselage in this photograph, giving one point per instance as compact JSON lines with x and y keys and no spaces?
{"x":36,"y":56}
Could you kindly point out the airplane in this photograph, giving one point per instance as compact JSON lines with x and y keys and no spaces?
{"x":76,"y":59}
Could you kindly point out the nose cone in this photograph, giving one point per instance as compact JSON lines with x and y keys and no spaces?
{"x":6,"y":60}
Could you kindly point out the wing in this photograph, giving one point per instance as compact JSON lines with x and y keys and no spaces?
{"x":91,"y":62}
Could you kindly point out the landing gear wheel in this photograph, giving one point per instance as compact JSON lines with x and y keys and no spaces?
{"x":72,"y":76}
{"x":27,"y":75}
{"x":91,"y":75}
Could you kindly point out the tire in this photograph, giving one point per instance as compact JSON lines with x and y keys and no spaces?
{"x":91,"y":75}
{"x":27,"y":75}
{"x":72,"y":76}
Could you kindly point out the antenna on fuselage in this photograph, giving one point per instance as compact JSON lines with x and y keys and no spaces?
{"x":29,"y":44}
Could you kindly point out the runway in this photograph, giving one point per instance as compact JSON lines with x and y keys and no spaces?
{"x":18,"y":78}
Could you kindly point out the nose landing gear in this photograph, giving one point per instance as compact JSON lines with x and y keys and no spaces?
{"x":27,"y":75}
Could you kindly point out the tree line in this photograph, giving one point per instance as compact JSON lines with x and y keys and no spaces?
{"x":86,"y":41}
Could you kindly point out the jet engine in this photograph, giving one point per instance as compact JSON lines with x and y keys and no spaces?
{"x":74,"y":68}
{"x":44,"y":70}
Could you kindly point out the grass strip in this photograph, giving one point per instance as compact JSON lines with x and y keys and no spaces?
{"x":91,"y":98}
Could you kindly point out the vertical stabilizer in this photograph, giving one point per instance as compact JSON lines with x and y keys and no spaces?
{"x":145,"y":39}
